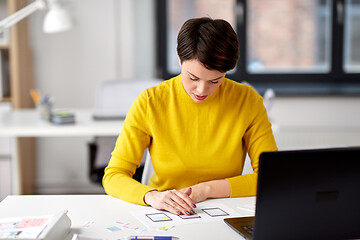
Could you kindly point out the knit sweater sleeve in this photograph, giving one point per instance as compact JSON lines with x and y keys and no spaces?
{"x":127,"y":155}
{"x":258,"y":138}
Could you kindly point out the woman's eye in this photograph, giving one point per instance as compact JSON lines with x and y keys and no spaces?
{"x":193,"y":79}
{"x":215,"y":82}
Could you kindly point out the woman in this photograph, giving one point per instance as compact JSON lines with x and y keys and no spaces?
{"x":198,"y":127}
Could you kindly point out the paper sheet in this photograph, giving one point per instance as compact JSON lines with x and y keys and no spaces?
{"x":204,"y":213}
{"x":23,"y":227}
{"x":248,"y":207}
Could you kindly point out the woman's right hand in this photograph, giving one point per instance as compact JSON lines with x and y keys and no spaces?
{"x":174,"y":201}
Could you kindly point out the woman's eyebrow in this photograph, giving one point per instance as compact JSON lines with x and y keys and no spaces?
{"x":207,"y":80}
{"x":216,"y":78}
{"x":193,"y":75}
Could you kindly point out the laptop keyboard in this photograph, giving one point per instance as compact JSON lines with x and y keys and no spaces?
{"x":248,"y":229}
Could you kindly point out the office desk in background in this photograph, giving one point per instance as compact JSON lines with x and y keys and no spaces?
{"x":105,"y":210}
{"x":26,"y":123}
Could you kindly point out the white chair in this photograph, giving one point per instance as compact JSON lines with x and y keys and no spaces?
{"x":148,"y":169}
{"x":115,"y":97}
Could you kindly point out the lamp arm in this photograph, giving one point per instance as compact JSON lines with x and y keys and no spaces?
{"x":22,"y":13}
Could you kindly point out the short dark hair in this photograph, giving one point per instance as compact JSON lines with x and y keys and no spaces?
{"x":211,"y":41}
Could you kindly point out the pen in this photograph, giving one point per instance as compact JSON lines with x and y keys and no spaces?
{"x":152,"y":238}
{"x":35,"y":96}
{"x":46,"y":99}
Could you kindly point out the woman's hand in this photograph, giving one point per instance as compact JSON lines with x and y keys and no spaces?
{"x":174,"y":201}
{"x":200,"y":192}
{"x":212,"y":189}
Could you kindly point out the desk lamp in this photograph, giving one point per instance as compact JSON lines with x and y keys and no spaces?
{"x":56,"y":20}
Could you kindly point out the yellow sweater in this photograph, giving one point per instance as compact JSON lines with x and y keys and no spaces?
{"x":190,"y":142}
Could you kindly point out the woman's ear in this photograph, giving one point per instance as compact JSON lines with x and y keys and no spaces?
{"x":179,"y":61}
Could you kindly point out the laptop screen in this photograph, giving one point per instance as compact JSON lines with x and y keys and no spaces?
{"x":308,"y":194}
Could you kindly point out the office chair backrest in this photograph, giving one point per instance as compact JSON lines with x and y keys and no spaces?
{"x":115,"y":97}
{"x":148,"y":169}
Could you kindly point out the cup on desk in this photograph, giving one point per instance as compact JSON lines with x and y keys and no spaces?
{"x":44,"y":110}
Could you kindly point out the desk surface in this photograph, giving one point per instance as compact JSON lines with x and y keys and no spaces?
{"x":105,"y":210}
{"x":26,"y":123}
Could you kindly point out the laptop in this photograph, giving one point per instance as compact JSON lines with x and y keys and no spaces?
{"x":305,"y":194}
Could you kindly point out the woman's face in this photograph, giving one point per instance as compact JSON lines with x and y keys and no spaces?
{"x":198,"y":81}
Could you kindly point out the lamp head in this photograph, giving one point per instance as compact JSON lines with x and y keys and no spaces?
{"x":57,"y":19}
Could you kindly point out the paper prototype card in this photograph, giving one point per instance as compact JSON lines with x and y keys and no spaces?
{"x":214,"y":212}
{"x":158,"y":217}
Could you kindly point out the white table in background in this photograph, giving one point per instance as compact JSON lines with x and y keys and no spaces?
{"x":26,"y":123}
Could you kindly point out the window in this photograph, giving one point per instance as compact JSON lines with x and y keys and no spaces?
{"x":288,"y":36}
{"x":352,"y":37}
{"x":293,"y":46}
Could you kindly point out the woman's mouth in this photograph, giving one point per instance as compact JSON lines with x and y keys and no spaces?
{"x":199,"y":98}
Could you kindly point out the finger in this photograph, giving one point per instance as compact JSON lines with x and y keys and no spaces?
{"x":170,"y":202}
{"x":176,"y":202}
{"x":188,"y":191}
{"x":184,"y":202}
{"x":186,"y":197}
{"x":167,"y":204}
{"x":172,"y":208}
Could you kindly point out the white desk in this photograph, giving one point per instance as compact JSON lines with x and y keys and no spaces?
{"x":104,"y":210}
{"x":26,"y":123}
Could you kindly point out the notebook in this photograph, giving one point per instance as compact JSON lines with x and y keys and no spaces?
{"x":305,"y":194}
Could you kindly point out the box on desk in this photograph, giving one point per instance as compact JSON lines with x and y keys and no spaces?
{"x":53,"y":227}
{"x":62,"y":117}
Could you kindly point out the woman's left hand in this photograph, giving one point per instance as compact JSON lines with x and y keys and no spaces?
{"x":199,"y":193}
{"x":212,"y":189}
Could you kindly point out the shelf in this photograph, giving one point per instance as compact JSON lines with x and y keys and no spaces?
{"x":2,"y":46}
{"x":5,"y":99}
{"x":19,"y":73}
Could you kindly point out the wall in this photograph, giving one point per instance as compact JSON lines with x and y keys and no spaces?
{"x":315,"y":122}
{"x":70,"y":65}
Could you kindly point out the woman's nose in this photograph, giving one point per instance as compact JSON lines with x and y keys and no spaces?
{"x":201,"y":88}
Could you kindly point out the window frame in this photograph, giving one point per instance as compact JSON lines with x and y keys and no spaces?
{"x":335,"y":82}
